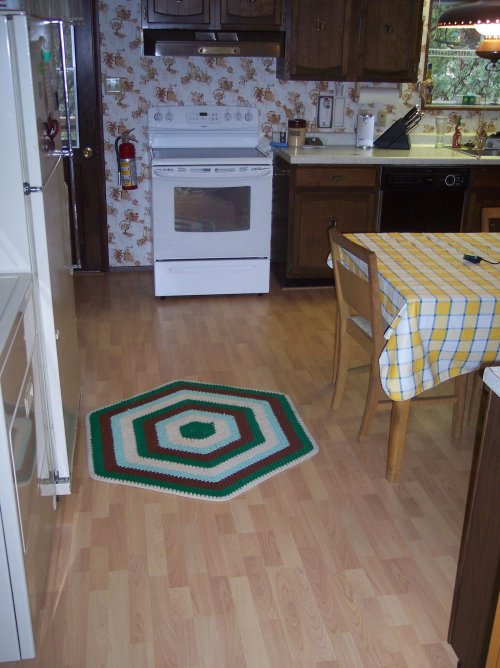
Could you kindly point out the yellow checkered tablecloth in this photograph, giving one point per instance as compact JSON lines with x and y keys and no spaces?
{"x":444,"y":312}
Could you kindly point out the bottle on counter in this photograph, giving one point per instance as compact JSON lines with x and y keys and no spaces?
{"x":429,"y":84}
{"x":455,"y":142}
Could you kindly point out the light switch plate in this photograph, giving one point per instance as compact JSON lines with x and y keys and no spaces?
{"x":381,"y":118}
{"x":113,"y":85}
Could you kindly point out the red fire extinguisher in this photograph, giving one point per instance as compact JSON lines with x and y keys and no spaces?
{"x":125,"y":155}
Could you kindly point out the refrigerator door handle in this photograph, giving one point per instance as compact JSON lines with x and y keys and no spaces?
{"x":27,"y":189}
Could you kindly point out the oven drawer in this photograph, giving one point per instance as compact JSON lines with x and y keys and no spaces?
{"x":336,"y":177}
{"x":211,"y":277}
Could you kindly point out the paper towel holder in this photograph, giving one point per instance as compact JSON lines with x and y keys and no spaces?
{"x":358,"y":86}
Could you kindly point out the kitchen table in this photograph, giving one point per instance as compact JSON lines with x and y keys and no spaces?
{"x":444,"y":315}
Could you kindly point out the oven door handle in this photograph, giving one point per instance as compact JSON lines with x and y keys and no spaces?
{"x":165,"y":173}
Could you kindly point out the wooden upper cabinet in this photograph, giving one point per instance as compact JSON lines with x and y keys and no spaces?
{"x":213,"y":14}
{"x":251,"y":14}
{"x":390,"y":34}
{"x":317,"y":40}
{"x":352,"y":40}
{"x":177,"y":13}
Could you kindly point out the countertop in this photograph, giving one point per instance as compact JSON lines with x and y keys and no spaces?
{"x":491,"y":377}
{"x":425,"y":155}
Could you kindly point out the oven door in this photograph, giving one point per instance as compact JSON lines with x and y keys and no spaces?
{"x":211,"y":211}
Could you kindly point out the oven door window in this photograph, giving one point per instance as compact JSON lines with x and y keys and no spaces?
{"x":210,"y":209}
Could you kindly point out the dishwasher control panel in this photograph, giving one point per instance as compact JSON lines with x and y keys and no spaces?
{"x":424,"y":179}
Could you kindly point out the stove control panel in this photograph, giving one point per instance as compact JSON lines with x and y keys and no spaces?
{"x":209,"y":117}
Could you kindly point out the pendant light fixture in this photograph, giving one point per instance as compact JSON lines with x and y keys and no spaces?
{"x":484,"y":16}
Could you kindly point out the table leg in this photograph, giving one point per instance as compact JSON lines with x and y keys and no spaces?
{"x":397,"y":436}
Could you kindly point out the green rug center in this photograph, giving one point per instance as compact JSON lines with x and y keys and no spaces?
{"x":197,"y":430}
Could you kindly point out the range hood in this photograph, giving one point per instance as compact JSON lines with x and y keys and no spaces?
{"x":213,"y":43}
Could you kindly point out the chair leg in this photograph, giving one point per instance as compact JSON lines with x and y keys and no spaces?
{"x":336,"y":344}
{"x":459,"y":406}
{"x":372,"y":399}
{"x":342,"y":365}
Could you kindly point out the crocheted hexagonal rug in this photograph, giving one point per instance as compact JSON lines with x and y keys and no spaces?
{"x":195,"y":439}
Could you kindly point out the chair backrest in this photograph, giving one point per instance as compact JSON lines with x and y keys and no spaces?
{"x":355,"y":292}
{"x":490,"y":219}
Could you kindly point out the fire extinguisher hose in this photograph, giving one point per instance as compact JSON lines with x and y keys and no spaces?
{"x":117,"y":141}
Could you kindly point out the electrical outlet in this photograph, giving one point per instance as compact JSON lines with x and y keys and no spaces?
{"x":381,"y":118}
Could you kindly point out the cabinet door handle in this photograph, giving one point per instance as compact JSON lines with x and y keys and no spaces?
{"x":319,"y":25}
{"x":336,"y":177}
{"x":388,"y":28}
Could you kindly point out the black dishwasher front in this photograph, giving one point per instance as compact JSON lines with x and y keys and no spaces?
{"x":422,"y":199}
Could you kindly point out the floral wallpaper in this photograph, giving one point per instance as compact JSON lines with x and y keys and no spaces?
{"x":213,"y":80}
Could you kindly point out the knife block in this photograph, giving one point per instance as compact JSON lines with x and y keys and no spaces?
{"x":394,"y":137}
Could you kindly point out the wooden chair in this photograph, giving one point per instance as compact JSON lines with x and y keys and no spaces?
{"x":490,"y":219}
{"x":359,"y":315}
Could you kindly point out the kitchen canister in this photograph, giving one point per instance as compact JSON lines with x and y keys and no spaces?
{"x":296,"y":132}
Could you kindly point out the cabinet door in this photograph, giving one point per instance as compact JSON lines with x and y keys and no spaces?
{"x":247,"y":14}
{"x":476,"y":586}
{"x":174,"y":13}
{"x":484,"y":191}
{"x":318,"y":40}
{"x":390,"y":34}
{"x":352,"y":210}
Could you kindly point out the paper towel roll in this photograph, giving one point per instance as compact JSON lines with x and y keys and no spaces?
{"x":378,"y":95}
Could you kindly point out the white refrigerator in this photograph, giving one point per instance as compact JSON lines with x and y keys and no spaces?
{"x":35,"y":245}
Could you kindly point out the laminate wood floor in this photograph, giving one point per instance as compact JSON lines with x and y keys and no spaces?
{"x":326,"y":565}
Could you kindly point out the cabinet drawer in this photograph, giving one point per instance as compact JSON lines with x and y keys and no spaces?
{"x":484,"y":177}
{"x":335,"y":177}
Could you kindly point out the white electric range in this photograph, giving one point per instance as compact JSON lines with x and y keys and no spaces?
{"x":211,"y":200}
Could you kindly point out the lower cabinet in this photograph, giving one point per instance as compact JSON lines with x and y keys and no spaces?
{"x":317,"y":198}
{"x":307,"y":199}
{"x":484,"y":191}
{"x":475,"y":599}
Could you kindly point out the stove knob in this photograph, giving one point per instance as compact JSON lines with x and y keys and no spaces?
{"x":158,"y":117}
{"x":248,"y":116}
{"x":238,"y":116}
{"x":169,"y":116}
{"x":227,"y":116}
